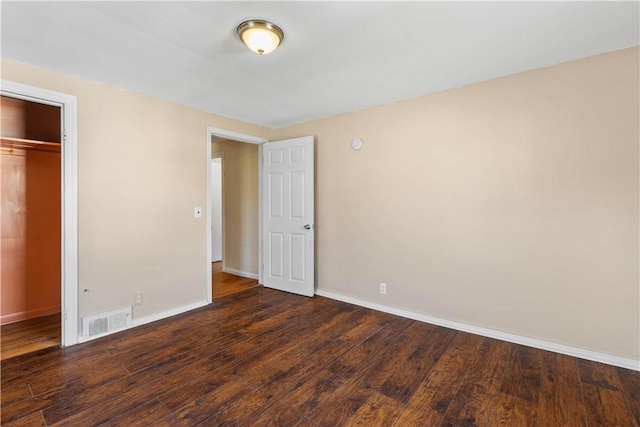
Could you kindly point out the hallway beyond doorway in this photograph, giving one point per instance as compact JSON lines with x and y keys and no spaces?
{"x":224,"y":284}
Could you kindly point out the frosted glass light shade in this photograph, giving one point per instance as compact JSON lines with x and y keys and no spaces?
{"x":260,"y":36}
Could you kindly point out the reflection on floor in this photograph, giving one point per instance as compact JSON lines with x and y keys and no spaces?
{"x":226,"y":284}
{"x":29,"y":335}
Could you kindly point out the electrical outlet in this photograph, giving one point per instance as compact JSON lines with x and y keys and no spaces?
{"x":383,"y":288}
{"x":137,"y":299}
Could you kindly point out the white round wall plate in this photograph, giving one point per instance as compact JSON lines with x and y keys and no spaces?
{"x":356,"y":143}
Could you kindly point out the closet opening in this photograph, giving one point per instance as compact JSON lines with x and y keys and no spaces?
{"x":31,"y":226}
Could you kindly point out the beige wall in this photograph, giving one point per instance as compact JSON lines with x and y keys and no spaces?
{"x":240,"y":204}
{"x":510,"y":204}
{"x":141,"y":171}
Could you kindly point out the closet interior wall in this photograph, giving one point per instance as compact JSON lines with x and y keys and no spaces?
{"x":30,"y":234}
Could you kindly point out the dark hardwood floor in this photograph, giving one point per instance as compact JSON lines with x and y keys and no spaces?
{"x":224,"y":284}
{"x":29,"y":335}
{"x":263,"y":357}
{"x":36,"y":334}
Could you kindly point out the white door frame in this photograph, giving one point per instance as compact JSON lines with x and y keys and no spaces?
{"x":69,"y":202}
{"x":240,"y":137}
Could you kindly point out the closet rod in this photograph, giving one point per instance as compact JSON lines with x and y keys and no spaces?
{"x":20,"y":143}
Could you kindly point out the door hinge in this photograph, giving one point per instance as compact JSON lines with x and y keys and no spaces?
{"x":65,"y":314}
{"x":64,"y":137}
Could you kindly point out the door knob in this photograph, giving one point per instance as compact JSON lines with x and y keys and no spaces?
{"x":308,"y":226}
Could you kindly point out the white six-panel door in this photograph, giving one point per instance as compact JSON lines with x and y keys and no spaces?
{"x":288,"y":223}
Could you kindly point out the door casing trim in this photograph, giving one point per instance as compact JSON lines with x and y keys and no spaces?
{"x":69,"y":202}
{"x":240,"y":137}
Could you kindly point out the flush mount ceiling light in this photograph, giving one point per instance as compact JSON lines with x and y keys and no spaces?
{"x":260,"y":36}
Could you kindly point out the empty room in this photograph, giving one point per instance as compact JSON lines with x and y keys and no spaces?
{"x":320,"y":213}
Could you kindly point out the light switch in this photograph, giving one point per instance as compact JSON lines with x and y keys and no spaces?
{"x":197,"y":212}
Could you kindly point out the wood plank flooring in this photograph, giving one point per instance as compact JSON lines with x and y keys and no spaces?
{"x":268,"y":358}
{"x":29,"y":335}
{"x":43,"y":332}
{"x":224,"y":284}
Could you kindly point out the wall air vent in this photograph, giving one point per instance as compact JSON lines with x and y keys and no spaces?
{"x":102,"y":324}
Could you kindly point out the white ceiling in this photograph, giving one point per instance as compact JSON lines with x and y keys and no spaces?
{"x":336,"y":57}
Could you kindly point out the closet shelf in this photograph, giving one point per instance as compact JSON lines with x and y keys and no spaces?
{"x":19,"y":143}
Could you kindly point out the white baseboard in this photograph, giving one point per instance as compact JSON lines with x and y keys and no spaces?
{"x":168,"y":313}
{"x":491,"y":333}
{"x":240,"y":273}
{"x":5,"y":319}
{"x":148,"y":319}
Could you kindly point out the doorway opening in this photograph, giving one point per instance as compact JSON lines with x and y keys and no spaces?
{"x":223,"y":282}
{"x":39,"y":230}
{"x":234,"y":219}
{"x":30,"y":165}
